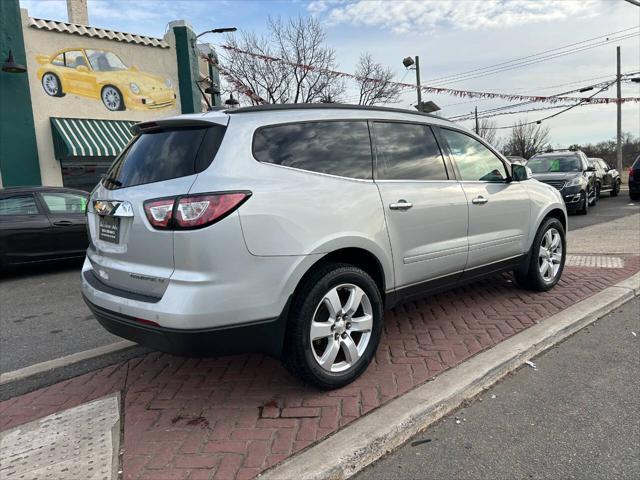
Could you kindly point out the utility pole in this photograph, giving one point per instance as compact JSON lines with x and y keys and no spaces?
{"x":619,"y":107}
{"x":418,"y":83}
{"x":477,"y":127}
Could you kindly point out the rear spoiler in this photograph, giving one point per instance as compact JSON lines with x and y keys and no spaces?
{"x":210,"y":121}
{"x":42,"y":59}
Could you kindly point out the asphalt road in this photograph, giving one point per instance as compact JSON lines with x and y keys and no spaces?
{"x":42,"y":316}
{"x":576,"y":416}
{"x":608,"y":208}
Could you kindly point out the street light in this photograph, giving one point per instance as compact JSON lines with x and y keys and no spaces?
{"x":408,"y":62}
{"x":212,"y":89}
{"x":231,"y":102}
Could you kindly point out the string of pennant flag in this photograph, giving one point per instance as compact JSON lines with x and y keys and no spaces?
{"x":427,"y":89}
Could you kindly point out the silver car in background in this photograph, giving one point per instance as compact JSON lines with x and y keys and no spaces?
{"x":290,"y":229}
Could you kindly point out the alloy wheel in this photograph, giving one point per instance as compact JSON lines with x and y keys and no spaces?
{"x":50,"y":84}
{"x":111,"y":98}
{"x":341,"y":328}
{"x":550,"y":255}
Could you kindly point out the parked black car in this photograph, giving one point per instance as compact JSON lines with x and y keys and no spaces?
{"x":42,"y":223}
{"x":570,"y":173}
{"x":607,"y":178}
{"x":634,"y":180}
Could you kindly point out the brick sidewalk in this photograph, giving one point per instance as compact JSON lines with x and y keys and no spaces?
{"x":233,"y":417}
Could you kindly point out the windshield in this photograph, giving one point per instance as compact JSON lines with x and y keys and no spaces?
{"x":105,"y":61}
{"x":552,"y":164}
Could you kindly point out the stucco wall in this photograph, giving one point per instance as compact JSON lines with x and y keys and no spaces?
{"x":148,"y":59}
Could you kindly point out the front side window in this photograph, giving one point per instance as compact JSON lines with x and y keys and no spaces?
{"x":102,"y":61}
{"x":66,"y":203}
{"x":555,"y":163}
{"x":406,"y":151}
{"x":75,"y":59}
{"x":475,"y":161}
{"x":603,"y":165}
{"x":336,"y":148}
{"x":18,"y":205}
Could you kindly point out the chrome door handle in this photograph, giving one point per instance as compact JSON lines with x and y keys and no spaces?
{"x":401,"y":205}
{"x":479,"y":200}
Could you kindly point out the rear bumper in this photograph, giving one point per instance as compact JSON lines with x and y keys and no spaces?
{"x":265,"y":336}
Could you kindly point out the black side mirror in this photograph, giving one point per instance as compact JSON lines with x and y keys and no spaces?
{"x":520,"y":172}
{"x":591,"y":169}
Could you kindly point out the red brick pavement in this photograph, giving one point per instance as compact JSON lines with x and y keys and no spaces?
{"x":233,"y":417}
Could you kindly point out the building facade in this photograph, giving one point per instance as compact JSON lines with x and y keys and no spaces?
{"x":66,"y":118}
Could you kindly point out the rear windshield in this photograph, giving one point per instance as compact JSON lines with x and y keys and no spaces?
{"x":550,"y":164}
{"x":163,"y":154}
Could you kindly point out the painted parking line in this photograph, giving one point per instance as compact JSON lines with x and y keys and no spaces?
{"x":63,"y":361}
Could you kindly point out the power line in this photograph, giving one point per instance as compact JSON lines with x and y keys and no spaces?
{"x":536,"y":61}
{"x":447,"y":77}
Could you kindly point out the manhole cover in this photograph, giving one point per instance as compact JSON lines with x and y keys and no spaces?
{"x":79,"y":443}
{"x":594,"y":261}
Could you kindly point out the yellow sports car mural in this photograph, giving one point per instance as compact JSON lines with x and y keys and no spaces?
{"x":101,"y":75}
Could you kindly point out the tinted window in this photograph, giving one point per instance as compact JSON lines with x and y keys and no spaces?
{"x":406,"y":151}
{"x":163,"y":154}
{"x":337,"y":148}
{"x":555,"y":163}
{"x":19,"y":205}
{"x":474,"y":160}
{"x":64,"y":202}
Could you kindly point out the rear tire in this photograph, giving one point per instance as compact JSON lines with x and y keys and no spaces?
{"x":346,"y":337}
{"x":598,"y":187}
{"x":549,"y":248}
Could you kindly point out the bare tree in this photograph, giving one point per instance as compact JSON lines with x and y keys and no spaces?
{"x":375,"y":82}
{"x":487,"y":130}
{"x":526,"y":139}
{"x":302,"y":73}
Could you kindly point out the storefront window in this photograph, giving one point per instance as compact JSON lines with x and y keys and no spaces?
{"x":84,"y":175}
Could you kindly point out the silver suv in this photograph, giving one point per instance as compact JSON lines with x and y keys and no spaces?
{"x":290,"y":229}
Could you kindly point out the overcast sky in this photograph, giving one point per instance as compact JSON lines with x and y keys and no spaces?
{"x":450,"y":36}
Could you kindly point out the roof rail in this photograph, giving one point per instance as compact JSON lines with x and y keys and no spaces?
{"x":323,"y":106}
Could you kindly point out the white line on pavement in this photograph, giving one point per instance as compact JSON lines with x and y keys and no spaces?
{"x":63,"y":361}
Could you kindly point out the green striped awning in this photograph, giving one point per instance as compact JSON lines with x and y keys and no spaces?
{"x":84,"y":137}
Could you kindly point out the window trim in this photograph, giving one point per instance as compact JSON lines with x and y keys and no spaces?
{"x":36,"y":200}
{"x":505,"y":163}
{"x":374,"y":145}
{"x":343,"y":120}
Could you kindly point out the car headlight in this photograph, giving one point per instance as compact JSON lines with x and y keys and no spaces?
{"x":574,"y":181}
{"x":134,"y":88}
{"x":168,"y":83}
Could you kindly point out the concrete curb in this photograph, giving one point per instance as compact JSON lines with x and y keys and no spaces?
{"x":385,"y":429}
{"x":63,"y":361}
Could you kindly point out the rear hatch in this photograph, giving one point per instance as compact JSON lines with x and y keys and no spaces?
{"x":163,"y":160}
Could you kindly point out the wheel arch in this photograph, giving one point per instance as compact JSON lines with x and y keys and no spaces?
{"x":356,"y":256}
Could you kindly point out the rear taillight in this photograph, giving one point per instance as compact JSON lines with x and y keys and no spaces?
{"x":192,"y":211}
{"x":160,"y":212}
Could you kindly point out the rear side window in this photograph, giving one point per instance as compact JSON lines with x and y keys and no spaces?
{"x":336,"y":148}
{"x":19,"y":205}
{"x":164,"y":154}
{"x":406,"y":151}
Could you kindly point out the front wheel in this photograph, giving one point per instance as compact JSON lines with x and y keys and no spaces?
{"x":594,"y":198}
{"x":616,"y":188}
{"x":334,"y":327}
{"x":585,"y":203}
{"x":546,"y":258}
{"x":112,"y":98}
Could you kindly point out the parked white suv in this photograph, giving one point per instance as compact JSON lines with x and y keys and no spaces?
{"x":289,"y":229}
